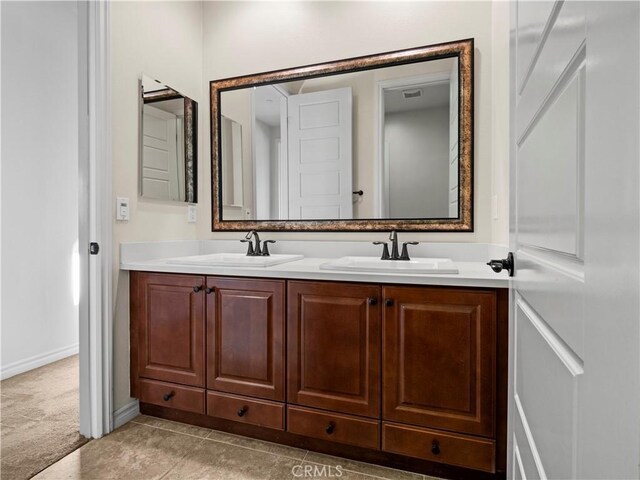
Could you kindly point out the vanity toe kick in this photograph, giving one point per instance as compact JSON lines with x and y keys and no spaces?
{"x":334,"y":427}
{"x":261,"y":413}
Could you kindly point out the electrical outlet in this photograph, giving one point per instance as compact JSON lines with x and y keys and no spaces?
{"x":192,"y":214}
{"x":122,"y":209}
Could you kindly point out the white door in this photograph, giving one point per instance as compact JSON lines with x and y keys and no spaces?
{"x":159,"y":154}
{"x":575,"y":362}
{"x":320,"y":185}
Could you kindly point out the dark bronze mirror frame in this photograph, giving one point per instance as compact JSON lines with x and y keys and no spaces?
{"x":190,"y":137}
{"x":462,"y":49}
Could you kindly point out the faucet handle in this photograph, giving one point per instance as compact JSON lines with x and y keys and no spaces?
{"x":250,"y":251}
{"x":265,"y":247}
{"x":405,"y":252}
{"x":385,"y":250}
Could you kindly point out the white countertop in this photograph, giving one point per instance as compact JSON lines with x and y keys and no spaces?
{"x":471,"y":273}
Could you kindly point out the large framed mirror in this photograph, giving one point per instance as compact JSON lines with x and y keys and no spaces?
{"x":374,"y":143}
{"x":168,"y":143}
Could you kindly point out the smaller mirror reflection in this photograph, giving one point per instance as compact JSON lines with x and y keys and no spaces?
{"x":168,"y":143}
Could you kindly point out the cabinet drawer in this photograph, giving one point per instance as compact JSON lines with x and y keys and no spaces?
{"x":246,"y":410}
{"x":435,"y":446}
{"x":189,"y":399}
{"x":334,"y":427}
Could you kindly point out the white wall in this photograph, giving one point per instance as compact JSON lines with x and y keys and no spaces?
{"x":39,"y":182}
{"x":187,"y":44}
{"x":418,"y":163}
{"x":248,"y":37}
{"x":164,"y":41}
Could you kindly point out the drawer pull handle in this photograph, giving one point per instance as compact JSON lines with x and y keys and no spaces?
{"x":388,"y":302}
{"x":330,"y":428}
{"x":242,"y":411}
{"x":197,"y":289}
{"x":208,"y":290}
{"x":168,"y":396}
{"x":435,"y":447}
{"x":373,"y":301}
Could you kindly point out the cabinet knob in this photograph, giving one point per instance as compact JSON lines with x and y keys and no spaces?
{"x":208,"y":290}
{"x":435,"y":447}
{"x":330,"y":428}
{"x":373,"y":301}
{"x":168,"y":396}
{"x":197,"y":289}
{"x":388,"y":302}
{"x":242,"y":411}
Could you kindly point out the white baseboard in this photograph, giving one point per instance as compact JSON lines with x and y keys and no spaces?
{"x":21,"y":366}
{"x":125,"y":414}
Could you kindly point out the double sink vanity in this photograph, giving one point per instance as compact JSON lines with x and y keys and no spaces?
{"x":393,"y":367}
{"x":394,"y":353}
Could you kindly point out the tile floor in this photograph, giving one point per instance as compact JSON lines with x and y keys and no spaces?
{"x":152,"y":448}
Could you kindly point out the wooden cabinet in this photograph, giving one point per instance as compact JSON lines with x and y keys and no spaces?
{"x":440,"y":358}
{"x":333,"y":337}
{"x":401,"y":375}
{"x":168,"y":315}
{"x":245,"y":337}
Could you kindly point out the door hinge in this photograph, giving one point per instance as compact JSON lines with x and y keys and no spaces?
{"x":94,"y":248}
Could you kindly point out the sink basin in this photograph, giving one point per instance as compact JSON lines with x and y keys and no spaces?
{"x":374,"y":264}
{"x":234,"y":260}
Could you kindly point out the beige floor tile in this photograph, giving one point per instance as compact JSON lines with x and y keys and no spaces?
{"x":134,"y":451}
{"x":362,"y":468}
{"x":216,"y":460}
{"x":260,"y":445}
{"x":177,"y":427}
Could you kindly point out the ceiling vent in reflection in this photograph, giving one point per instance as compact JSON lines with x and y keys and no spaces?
{"x":413,"y":93}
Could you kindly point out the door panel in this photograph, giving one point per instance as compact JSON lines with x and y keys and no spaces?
{"x":171,"y":328}
{"x":245,"y":337}
{"x":439,"y":358}
{"x":320,"y":171}
{"x":574,"y":231}
{"x":334,"y":347}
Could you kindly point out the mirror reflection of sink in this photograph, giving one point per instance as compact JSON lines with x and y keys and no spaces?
{"x":374,"y":264}
{"x":234,"y":260}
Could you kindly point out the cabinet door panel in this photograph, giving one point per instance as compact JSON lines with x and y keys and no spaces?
{"x":170,"y":320}
{"x":439,"y":358}
{"x":334,"y":347}
{"x":245,"y":333}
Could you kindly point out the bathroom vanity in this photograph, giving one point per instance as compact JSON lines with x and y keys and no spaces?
{"x":402,"y":370}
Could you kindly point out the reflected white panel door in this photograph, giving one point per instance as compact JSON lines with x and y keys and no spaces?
{"x":159,"y":154}
{"x":575,"y":353}
{"x":319,"y":140}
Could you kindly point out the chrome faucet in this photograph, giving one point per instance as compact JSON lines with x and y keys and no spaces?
{"x":393,"y":237}
{"x":256,"y":250}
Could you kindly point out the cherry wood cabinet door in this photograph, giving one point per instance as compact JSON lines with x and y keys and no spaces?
{"x":439,"y":357}
{"x":245,"y":337}
{"x":333,"y":338}
{"x":169,"y":315}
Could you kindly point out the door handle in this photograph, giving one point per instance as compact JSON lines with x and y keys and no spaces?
{"x":507,"y":264}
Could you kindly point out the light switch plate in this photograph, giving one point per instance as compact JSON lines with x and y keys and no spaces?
{"x":122,"y":209}
{"x":192,"y":214}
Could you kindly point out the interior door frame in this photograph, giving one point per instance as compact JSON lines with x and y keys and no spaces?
{"x":380,"y":172}
{"x":95,"y":213}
